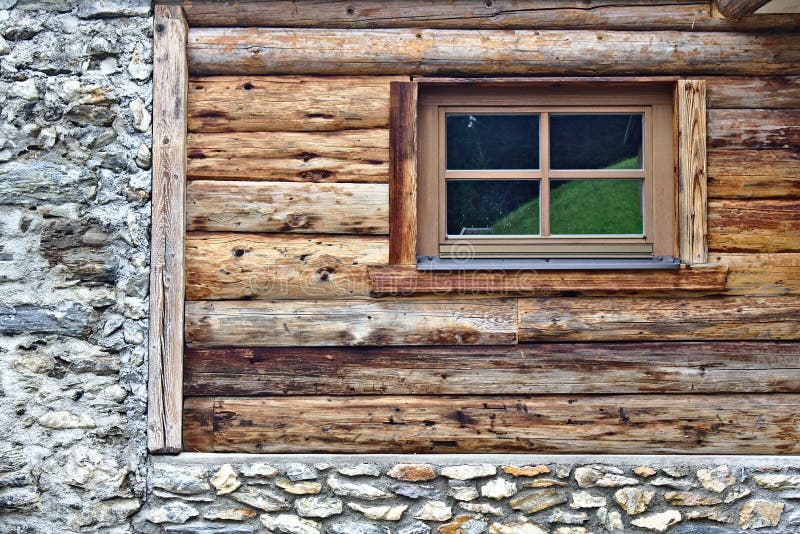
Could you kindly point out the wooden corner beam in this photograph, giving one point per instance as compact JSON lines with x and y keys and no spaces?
{"x":690,"y":102}
{"x":736,"y":9}
{"x":402,"y":173}
{"x":170,"y":86}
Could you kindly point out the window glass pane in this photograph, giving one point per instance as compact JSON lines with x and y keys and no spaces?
{"x":483,"y":141}
{"x":596,"y":207}
{"x":492,"y":207}
{"x":596,"y":141}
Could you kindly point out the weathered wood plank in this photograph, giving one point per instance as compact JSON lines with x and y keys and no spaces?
{"x":754,"y":128}
{"x":223,"y":206}
{"x":753,"y":92}
{"x":536,"y":369}
{"x":288,"y":103}
{"x":623,"y":424}
{"x":198,"y":424}
{"x":736,"y":9}
{"x":754,"y":225}
{"x":250,"y":51}
{"x":165,"y":375}
{"x":690,"y":103}
{"x":403,"y":173}
{"x":351,"y":322}
{"x":263,"y":266}
{"x":407,"y":280}
{"x":760,"y":274}
{"x":741,"y":174}
{"x":656,"y":318}
{"x":335,"y":156}
{"x":499,"y":14}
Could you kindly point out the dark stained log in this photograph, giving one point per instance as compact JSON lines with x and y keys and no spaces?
{"x":407,"y":280}
{"x":659,"y":318}
{"x":753,"y":92}
{"x":498,"y":14}
{"x":296,"y":323}
{"x":744,"y":174}
{"x":289,"y":207}
{"x":329,"y":156}
{"x":754,"y":128}
{"x":530,"y":369}
{"x":622,"y":424}
{"x":198,"y":424}
{"x":760,"y":274}
{"x":762,"y":225}
{"x":288,"y":103}
{"x":279,"y":266}
{"x":403,"y":173}
{"x":258,"y":51}
{"x":736,"y":9}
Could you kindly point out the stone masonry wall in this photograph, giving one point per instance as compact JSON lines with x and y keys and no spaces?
{"x":74,"y":225}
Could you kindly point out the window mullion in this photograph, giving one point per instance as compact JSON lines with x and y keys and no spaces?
{"x":544,"y":163}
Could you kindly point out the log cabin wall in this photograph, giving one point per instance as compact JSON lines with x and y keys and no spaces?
{"x":289,"y":348}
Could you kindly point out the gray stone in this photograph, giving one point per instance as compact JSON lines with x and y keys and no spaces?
{"x":295,"y":472}
{"x":259,"y":470}
{"x":171,"y":512}
{"x":716,"y":479}
{"x":63,"y":419}
{"x":224,"y":512}
{"x":356,"y":527}
{"x":473,"y":526}
{"x":290,"y":524}
{"x":318,"y":507}
{"x":611,"y":521}
{"x":481,"y":508}
{"x":113,"y":8}
{"x":141,"y":115}
{"x":416,"y":492}
{"x":66,"y":320}
{"x":225,"y":480}
{"x":672,"y":483}
{"x":688,"y":498}
{"x":360,"y":470}
{"x":568,"y":518}
{"x":602,"y":477}
{"x":358,"y":491}
{"x":720,"y":515}
{"x":184,"y":480}
{"x":19,"y":500}
{"x":144,"y":158}
{"x":43,"y":181}
{"x":536,"y":500}
{"x":584,"y":499}
{"x":736,"y":493}
{"x":263,"y":499}
{"x":303,"y":487}
{"x":777,"y":481}
{"x":209,"y":529}
{"x":634,"y":500}
{"x":499,"y":488}
{"x":659,"y":522}
{"x":385,"y":513}
{"x":417,"y":527}
{"x":462,"y":491}
{"x":760,"y":513}
{"x":468,"y":472}
{"x":434,"y":511}
{"x":517,"y":526}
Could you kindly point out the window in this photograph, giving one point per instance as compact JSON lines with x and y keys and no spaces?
{"x":527,"y":172}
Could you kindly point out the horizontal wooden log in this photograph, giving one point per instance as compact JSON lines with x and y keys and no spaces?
{"x":351,"y":322}
{"x":734,"y":173}
{"x":654,"y":318}
{"x":251,"y":51}
{"x":754,"y":128}
{"x":222,"y":206}
{"x":498,"y":14}
{"x":623,"y":424}
{"x":198,"y":424}
{"x":337,"y":156}
{"x":407,"y":280}
{"x":754,"y":225}
{"x":753,"y":92}
{"x":263,"y":266}
{"x":287,"y":103}
{"x":535,"y":369}
{"x":736,"y":9}
{"x":760,"y":274}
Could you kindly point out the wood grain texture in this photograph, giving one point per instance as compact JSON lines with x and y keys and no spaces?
{"x":736,"y":9}
{"x":654,"y":318}
{"x":165,"y":373}
{"x":403,"y":173}
{"x":417,"y":321}
{"x":257,"y":51}
{"x":287,"y":207}
{"x":763,"y":225}
{"x":753,"y":174}
{"x":198,"y":424}
{"x":288,"y":103}
{"x":621,"y":424}
{"x":333,"y":156}
{"x":690,"y":101}
{"x":760,"y":274}
{"x":279,"y":266}
{"x":499,"y":14}
{"x":754,"y":128}
{"x":753,"y":92}
{"x":407,"y":280}
{"x":529,"y":369}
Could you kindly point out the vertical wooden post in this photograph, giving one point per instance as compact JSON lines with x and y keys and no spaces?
{"x":691,"y":117}
{"x":170,"y":85}
{"x":403,"y":173}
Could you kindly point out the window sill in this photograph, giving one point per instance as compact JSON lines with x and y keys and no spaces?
{"x":408,"y":280}
{"x":434,"y":263}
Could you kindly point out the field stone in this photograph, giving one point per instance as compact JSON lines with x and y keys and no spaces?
{"x":536,"y":500}
{"x":759,"y":513}
{"x":417,"y":527}
{"x":718,"y":514}
{"x":682,"y":485}
{"x":568,"y":518}
{"x":462,"y":491}
{"x":468,"y":472}
{"x":209,"y":529}
{"x":183,"y":480}
{"x":290,"y":524}
{"x":356,"y":527}
{"x":645,"y":472}
{"x":303,"y":487}
{"x":386,"y":513}
{"x":263,"y":499}
{"x":434,"y":511}
{"x":259,"y":470}
{"x":454,"y":527}
{"x":610,"y":520}
{"x":226,"y":513}
{"x":61,"y":420}
{"x":319,"y":507}
{"x":659,"y":522}
{"x":473,"y":526}
{"x":543,"y":483}
{"x":675,"y":472}
{"x":499,"y":488}
{"x":481,"y":508}
{"x":584,"y":499}
{"x":416,"y":492}
{"x":634,"y":500}
{"x":526,"y":471}
{"x":355,"y":490}
{"x":225,"y":480}
{"x":716,"y":479}
{"x":412,"y":472}
{"x":602,"y":477}
{"x":517,"y":526}
{"x":362,"y":469}
{"x":736,"y":493}
{"x":687,"y":498}
{"x":777,"y":482}
{"x":172,"y":512}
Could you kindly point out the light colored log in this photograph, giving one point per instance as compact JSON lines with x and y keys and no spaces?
{"x":690,"y":103}
{"x":693,"y":15}
{"x":754,"y":128}
{"x":624,"y":424}
{"x":754,"y":225}
{"x":537,"y":369}
{"x":288,"y":103}
{"x":753,"y":92}
{"x":351,"y":322}
{"x":403,"y":173}
{"x":263,"y":266}
{"x":736,"y":9}
{"x":221,"y":51}
{"x":407,"y":280}
{"x":655,"y":318}
{"x":743,"y":174}
{"x":760,"y":274}
{"x":165,"y":375}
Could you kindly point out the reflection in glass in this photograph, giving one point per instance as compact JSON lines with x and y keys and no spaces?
{"x":492,"y":207}
{"x":482,"y":141}
{"x":580,"y":207}
{"x":596,"y":141}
